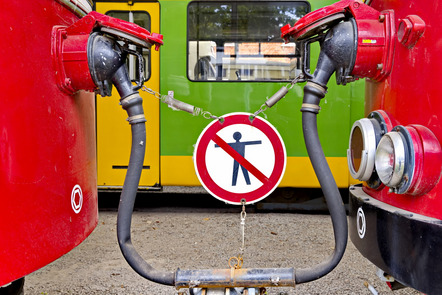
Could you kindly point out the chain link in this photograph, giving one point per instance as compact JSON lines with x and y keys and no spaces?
{"x":239,"y":260}
{"x":294,"y":81}
{"x":153,"y":92}
{"x":261,"y":109}
{"x":242,"y":226}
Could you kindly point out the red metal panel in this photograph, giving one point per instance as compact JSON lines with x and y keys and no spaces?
{"x":411,"y":94}
{"x":47,"y":145}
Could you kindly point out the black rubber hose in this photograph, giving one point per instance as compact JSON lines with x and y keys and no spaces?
{"x":126,"y":206}
{"x":312,"y":96}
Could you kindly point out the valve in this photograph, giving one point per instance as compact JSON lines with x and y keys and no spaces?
{"x":356,"y":39}
{"x":87,"y":56}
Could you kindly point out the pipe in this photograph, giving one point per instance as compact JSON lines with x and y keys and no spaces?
{"x":230,"y":278}
{"x":337,"y":55}
{"x":133,"y":105}
{"x":314,"y":91}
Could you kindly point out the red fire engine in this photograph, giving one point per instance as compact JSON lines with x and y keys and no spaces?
{"x":54,"y":55}
{"x":395,"y":215}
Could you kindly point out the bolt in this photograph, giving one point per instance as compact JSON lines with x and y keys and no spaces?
{"x":275,"y":281}
{"x":379,"y":66}
{"x":381,"y":18}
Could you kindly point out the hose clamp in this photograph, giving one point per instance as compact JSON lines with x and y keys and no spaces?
{"x":136,"y":119}
{"x":127,"y":99}
{"x":317,"y":86}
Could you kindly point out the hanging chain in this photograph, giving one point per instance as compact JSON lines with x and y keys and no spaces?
{"x":176,"y":104}
{"x":238,"y":261}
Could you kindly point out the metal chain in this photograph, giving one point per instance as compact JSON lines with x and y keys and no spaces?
{"x":294,"y":81}
{"x":242,"y":226}
{"x":150,"y":91}
{"x":238,"y":261}
{"x":176,"y":104}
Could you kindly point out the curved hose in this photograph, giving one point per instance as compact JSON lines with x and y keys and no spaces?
{"x":129,"y":193}
{"x":312,"y":95}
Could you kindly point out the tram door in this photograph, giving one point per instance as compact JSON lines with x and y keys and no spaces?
{"x":113,"y":131}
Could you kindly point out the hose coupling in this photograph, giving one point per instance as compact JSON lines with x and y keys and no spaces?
{"x":313,"y":93}
{"x":133,"y":104}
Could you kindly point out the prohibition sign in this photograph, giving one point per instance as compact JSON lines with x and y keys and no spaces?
{"x":240,"y":158}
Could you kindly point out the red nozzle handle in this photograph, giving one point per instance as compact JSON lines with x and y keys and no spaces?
{"x":324,"y":18}
{"x":116,"y":27}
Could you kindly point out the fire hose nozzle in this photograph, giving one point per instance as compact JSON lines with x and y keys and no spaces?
{"x":76,"y":52}
{"x":373,"y":39}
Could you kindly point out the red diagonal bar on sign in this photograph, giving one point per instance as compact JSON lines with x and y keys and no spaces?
{"x":240,"y":159}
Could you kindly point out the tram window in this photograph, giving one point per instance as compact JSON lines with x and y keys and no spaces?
{"x":240,"y":41}
{"x":142,"y":19}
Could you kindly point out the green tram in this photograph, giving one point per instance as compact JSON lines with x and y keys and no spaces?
{"x":222,"y":57}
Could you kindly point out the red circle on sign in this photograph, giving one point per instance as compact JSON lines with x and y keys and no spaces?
{"x":209,"y":134}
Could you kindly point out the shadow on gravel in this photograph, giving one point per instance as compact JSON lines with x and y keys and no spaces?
{"x":293,"y":200}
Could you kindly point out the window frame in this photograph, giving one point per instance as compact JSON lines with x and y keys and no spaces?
{"x":148,"y":61}
{"x":227,"y":2}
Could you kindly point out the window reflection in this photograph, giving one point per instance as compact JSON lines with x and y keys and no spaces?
{"x":241,"y":41}
{"x":142,"y":19}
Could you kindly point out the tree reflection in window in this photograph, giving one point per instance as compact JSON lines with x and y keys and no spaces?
{"x":241,"y":40}
{"x":141,"y":18}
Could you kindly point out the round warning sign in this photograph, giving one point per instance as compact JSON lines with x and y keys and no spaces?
{"x":240,"y":158}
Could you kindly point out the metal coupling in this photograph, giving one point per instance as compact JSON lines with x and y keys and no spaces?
{"x":229,"y":278}
{"x":176,"y":104}
{"x":133,"y":104}
{"x":313,"y":93}
{"x":276,"y":97}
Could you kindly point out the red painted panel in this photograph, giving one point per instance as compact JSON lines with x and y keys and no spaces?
{"x":411,"y":94}
{"x":47,"y":145}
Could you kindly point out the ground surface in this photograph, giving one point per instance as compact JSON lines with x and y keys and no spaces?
{"x":195,"y":238}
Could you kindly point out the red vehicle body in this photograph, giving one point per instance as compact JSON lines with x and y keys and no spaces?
{"x":399,"y":228}
{"x":395,"y":217}
{"x":47,"y":143}
{"x":55,"y":55}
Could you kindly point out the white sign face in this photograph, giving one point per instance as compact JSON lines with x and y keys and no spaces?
{"x":240,"y":158}
{"x":254,"y":146}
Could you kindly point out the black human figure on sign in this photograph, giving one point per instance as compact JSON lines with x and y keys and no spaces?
{"x":240,"y":148}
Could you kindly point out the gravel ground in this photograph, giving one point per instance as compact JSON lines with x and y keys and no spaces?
{"x":195,"y":238}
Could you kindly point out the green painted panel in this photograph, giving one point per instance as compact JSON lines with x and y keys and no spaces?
{"x":180,"y":130}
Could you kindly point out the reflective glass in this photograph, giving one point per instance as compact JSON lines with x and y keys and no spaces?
{"x":142,"y":19}
{"x":240,"y":41}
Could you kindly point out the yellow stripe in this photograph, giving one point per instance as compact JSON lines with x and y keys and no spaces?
{"x":113,"y":131}
{"x":179,"y":170}
{"x":368,"y":41}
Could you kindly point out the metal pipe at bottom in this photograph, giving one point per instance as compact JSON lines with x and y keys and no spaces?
{"x":229,"y":278}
